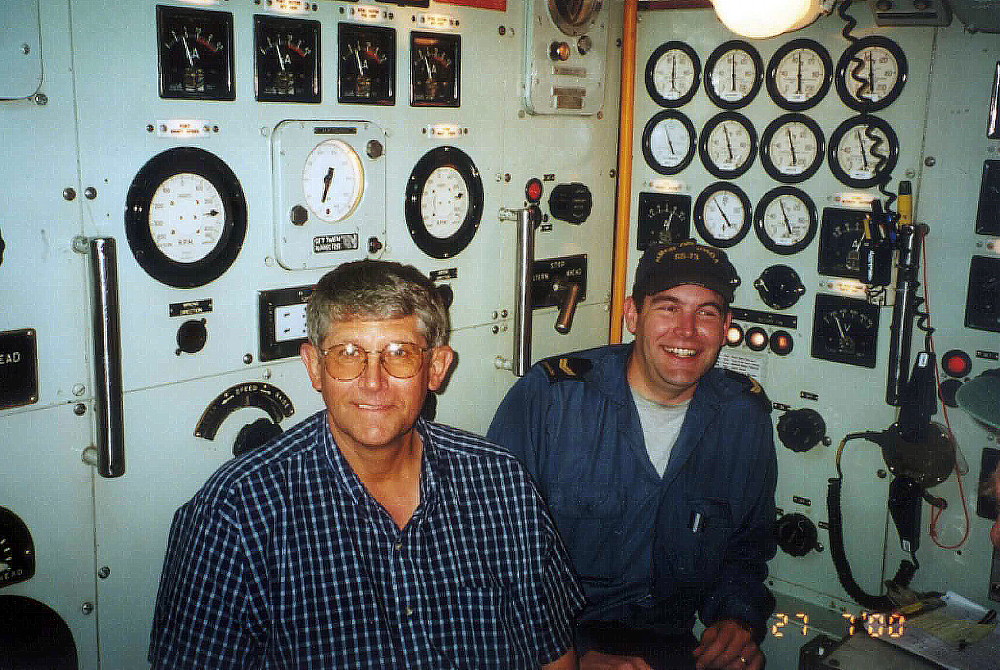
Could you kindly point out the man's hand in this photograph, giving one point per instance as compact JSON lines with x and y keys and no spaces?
{"x":728,"y":645}
{"x":595,"y":660}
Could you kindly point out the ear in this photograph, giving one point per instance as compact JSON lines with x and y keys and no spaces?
{"x":725,"y":326}
{"x":441,"y":359}
{"x":631,"y":315}
{"x":311,"y":359}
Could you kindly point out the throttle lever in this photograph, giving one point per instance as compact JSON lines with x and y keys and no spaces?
{"x":569,"y":297}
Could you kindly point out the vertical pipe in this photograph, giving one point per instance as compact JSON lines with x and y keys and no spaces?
{"x":107,"y":358}
{"x":522,"y":316}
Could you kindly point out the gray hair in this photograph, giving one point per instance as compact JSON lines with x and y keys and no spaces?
{"x":377,"y":290}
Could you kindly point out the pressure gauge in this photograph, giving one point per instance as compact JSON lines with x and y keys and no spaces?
{"x":871,"y":73}
{"x":574,"y":17}
{"x":672,"y":74}
{"x":733,"y":73}
{"x":195,"y":53}
{"x":840,"y":235}
{"x":333,"y":180}
{"x":785,"y":220}
{"x":799,"y":74}
{"x":791,"y":148}
{"x":444,"y":202}
{"x":722,"y":214}
{"x":668,"y":142}
{"x":728,"y":145}
{"x":662,"y":218}
{"x":435,"y":61}
{"x":366,"y":64}
{"x":286,"y":59}
{"x":863,"y":151}
{"x":845,"y":330}
{"x":185,"y":217}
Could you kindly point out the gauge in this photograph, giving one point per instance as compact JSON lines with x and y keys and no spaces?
{"x":785,"y":220}
{"x":722,"y":214}
{"x":728,"y":145}
{"x":799,"y":74}
{"x":662,"y":218}
{"x":845,"y":330}
{"x":286,"y":59}
{"x":791,"y":148}
{"x":195,"y":53}
{"x":17,"y":550}
{"x":863,"y":151}
{"x":672,"y":74}
{"x":840,"y":235}
{"x":185,"y":217}
{"x":333,"y":180}
{"x":871,"y":73}
{"x":435,"y":60}
{"x":573,"y":17}
{"x":733,"y":73}
{"x":366,"y":64}
{"x":668,"y":142}
{"x":444,"y":202}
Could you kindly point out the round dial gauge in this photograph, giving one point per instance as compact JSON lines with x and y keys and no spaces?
{"x":672,"y":74}
{"x":573,"y":17}
{"x":799,"y":74}
{"x":863,"y":151}
{"x":333,"y":180}
{"x":195,"y":53}
{"x":444,"y":202}
{"x":728,"y":145}
{"x":185,"y":217}
{"x":366,"y":64}
{"x":791,"y":148}
{"x":722,"y":214}
{"x":871,"y":74}
{"x":286,"y":59}
{"x":785,"y":220}
{"x":733,"y":73}
{"x":668,"y":142}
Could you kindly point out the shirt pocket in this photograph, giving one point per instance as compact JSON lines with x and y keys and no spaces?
{"x":589,"y":519}
{"x":696,"y":546}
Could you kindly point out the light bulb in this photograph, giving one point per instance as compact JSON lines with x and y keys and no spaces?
{"x":761,"y":19}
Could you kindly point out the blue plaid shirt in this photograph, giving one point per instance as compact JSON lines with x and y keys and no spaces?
{"x":284,"y":560}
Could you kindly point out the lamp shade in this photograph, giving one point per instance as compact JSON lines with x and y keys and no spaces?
{"x":760,"y":19}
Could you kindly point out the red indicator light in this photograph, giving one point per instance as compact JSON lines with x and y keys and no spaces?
{"x":734,"y":336}
{"x":559,"y":51}
{"x":781,"y":342}
{"x":956,"y":363}
{"x":757,"y":338}
{"x":533,"y":190}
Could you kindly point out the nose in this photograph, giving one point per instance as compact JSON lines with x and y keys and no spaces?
{"x":685,"y":323}
{"x":374,"y":375}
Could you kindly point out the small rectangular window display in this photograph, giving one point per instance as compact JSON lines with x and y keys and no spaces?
{"x":435,"y":69}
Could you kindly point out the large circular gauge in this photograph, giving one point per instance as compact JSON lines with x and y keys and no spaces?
{"x":672,"y":74}
{"x":444,"y":202}
{"x":733,"y":73}
{"x":871,"y":73}
{"x":727,"y":145}
{"x":333,"y":180}
{"x":668,"y":142}
{"x":185,"y":217}
{"x":366,"y":64}
{"x":785,"y":220}
{"x":791,"y":148}
{"x":799,"y":74}
{"x":573,"y":17}
{"x":195,"y":53}
{"x":286,"y":59}
{"x":863,"y":151}
{"x":722,"y":214}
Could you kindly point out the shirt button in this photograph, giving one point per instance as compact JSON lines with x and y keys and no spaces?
{"x":399,"y":545}
{"x":409,"y":611}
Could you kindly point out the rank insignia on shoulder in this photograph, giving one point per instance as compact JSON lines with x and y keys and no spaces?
{"x":559,"y":368}
{"x":751,"y":386}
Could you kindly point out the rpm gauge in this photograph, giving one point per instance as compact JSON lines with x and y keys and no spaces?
{"x":444,"y":202}
{"x":333,"y":180}
{"x":366,"y":64}
{"x":722,"y":214}
{"x":785,"y":220}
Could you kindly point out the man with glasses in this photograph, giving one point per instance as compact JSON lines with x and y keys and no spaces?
{"x":366,"y":536}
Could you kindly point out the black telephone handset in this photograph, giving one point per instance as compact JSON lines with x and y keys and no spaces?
{"x":905,"y":500}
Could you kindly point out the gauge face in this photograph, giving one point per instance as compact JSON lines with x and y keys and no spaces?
{"x":668,"y":142}
{"x":672,"y":74}
{"x":785,"y":220}
{"x":435,"y":61}
{"x":728,"y":145}
{"x":286,"y":59}
{"x":366,"y":64}
{"x":799,"y":74}
{"x":17,"y":550}
{"x":863,"y":151}
{"x":845,"y":330}
{"x":722,"y":214}
{"x":333,"y":180}
{"x":871,"y":74}
{"x":733,"y":73}
{"x":791,"y":148}
{"x":444,"y":202}
{"x":840,"y":237}
{"x":573,"y":17}
{"x":185,"y":217}
{"x":195,"y":53}
{"x":662,"y":218}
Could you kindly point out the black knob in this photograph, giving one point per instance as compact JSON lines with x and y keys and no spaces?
{"x":571,"y":202}
{"x":801,"y":429}
{"x":299,"y":215}
{"x":447,"y":294}
{"x":796,"y":534}
{"x":779,"y":286}
{"x":191,"y":336}
{"x":254,"y":435}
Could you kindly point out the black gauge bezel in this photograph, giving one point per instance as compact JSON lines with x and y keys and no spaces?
{"x":699,"y":217}
{"x":705,"y":135}
{"x":842,"y":73}
{"x":220,"y":82}
{"x":772,"y":68}
{"x":880,"y":177}
{"x":647,"y":134}
{"x":761,"y":210}
{"x":765,"y":148}
{"x":722,"y":50}
{"x":382,"y":36}
{"x":651,"y":65}
{"x":827,"y":304}
{"x":308,"y":86}
{"x":445,"y":156}
{"x":648,"y":199}
{"x":828,"y":261}
{"x":158,"y":169}
{"x":452,"y":45}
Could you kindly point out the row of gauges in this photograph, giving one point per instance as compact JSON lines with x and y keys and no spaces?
{"x":870,"y":74}
{"x":862,"y":153}
{"x":196,"y":60}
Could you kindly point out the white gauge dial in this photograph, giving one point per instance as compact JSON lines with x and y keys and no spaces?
{"x":333,"y":180}
{"x":729,"y":145}
{"x":786,"y":221}
{"x":672,"y":74}
{"x":670,"y":143}
{"x":444,"y":203}
{"x":857,"y":155}
{"x":800,"y":75}
{"x":793,"y":148}
{"x":724,"y":215}
{"x":876,"y":75}
{"x":186,"y":217}
{"x":734,"y":75}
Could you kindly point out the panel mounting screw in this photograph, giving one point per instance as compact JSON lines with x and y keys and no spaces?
{"x":90,"y":193}
{"x":930,"y":161}
{"x":69,"y":193}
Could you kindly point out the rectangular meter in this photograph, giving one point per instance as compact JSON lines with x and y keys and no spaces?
{"x":282,"y":321}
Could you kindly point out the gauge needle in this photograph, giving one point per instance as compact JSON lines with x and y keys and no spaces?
{"x":734,"y":72}
{"x":798,"y":88}
{"x":784,"y":214}
{"x":673,"y":152}
{"x":840,"y":327}
{"x":213,"y":212}
{"x":729,"y":224}
{"x":673,"y":73}
{"x":864,"y":153}
{"x":281,"y":60}
{"x":430,"y":71}
{"x":361,"y":66}
{"x":871,"y":75}
{"x":729,"y":145}
{"x":187,"y":51}
{"x":791,"y":146}
{"x":326,"y":183}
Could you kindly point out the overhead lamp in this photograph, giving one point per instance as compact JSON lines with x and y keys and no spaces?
{"x":761,"y":19}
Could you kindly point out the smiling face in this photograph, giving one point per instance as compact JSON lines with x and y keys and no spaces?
{"x":678,"y":335}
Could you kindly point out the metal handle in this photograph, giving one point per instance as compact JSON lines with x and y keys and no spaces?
{"x":107,"y":357}
{"x":903,"y":312}
{"x":567,"y":306}
{"x":527,"y":219}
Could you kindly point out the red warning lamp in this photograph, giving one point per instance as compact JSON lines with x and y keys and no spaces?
{"x":757,"y":338}
{"x":734,"y":336}
{"x":533,"y":190}
{"x":781,"y":342}
{"x":956,"y":363}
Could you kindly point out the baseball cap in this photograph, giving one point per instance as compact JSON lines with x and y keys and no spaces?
{"x":665,"y":266}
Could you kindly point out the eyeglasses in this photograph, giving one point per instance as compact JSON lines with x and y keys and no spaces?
{"x":349,"y":361}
